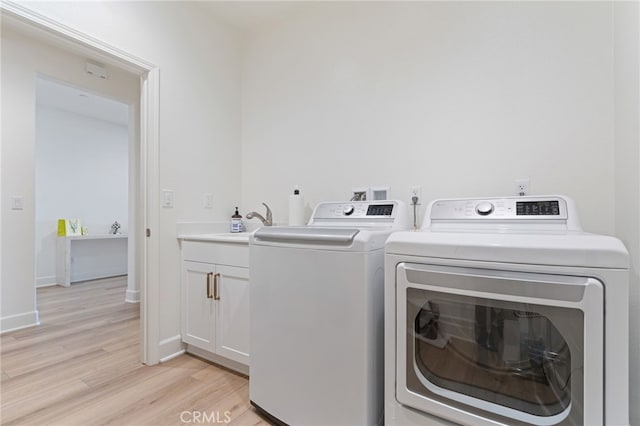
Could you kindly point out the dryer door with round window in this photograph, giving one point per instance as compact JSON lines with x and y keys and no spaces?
{"x":508,"y":347}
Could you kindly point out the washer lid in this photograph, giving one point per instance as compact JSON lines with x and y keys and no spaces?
{"x":362,"y":240}
{"x":309,"y":234}
{"x":558,"y":249}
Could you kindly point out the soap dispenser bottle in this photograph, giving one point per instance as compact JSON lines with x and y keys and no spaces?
{"x":236,"y":222}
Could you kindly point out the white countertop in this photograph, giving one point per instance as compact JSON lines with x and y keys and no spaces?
{"x":223,"y":237}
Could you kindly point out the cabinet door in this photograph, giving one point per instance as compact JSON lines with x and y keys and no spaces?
{"x":232,"y":322}
{"x":198,"y":307}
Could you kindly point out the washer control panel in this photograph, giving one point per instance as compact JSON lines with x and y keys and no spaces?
{"x":484,"y":208}
{"x":361,"y":214}
{"x":356,"y":210}
{"x":515,"y":208}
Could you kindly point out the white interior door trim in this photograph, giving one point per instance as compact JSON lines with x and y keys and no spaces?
{"x":147,"y":250}
{"x":149,"y":273}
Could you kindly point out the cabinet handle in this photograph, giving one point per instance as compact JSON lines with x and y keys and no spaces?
{"x":216,"y":294}
{"x":209,"y":296}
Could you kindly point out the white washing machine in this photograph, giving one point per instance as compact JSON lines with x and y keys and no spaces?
{"x":503,"y":312}
{"x":317,"y":302}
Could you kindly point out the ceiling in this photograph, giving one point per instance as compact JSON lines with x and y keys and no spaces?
{"x":246,"y":15}
{"x":72,"y":99}
{"x":240,"y":14}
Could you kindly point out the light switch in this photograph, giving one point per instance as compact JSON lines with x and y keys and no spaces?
{"x":17,"y":203}
{"x":167,"y":198}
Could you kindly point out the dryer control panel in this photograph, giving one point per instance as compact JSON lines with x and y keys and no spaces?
{"x":507,"y":209}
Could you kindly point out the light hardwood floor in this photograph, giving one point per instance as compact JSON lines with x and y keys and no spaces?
{"x":81,"y":367}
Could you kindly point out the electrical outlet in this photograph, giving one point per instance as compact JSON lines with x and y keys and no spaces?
{"x":416,"y":191}
{"x":521,"y":187}
{"x":208,"y":200}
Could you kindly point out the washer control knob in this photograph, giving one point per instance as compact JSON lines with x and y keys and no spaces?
{"x":348,"y":210}
{"x":485,"y":208}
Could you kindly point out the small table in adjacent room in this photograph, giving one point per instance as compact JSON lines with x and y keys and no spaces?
{"x":88,"y":257}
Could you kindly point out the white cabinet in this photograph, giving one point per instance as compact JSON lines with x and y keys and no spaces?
{"x":215,"y":300}
{"x":198,"y":307}
{"x":232,"y":319}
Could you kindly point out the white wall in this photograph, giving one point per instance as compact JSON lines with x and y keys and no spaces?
{"x":22,"y":58}
{"x":199,"y":62}
{"x":627,"y":167}
{"x":460,"y":98}
{"x":81,"y":172}
{"x":18,"y":232}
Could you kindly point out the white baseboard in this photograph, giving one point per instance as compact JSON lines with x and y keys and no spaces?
{"x":132,"y":296}
{"x":46,"y":281}
{"x":172,"y":356}
{"x":97,"y":275}
{"x":170,"y":348}
{"x":217,"y":359}
{"x":16,"y":322}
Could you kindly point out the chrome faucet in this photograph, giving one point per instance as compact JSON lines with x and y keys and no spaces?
{"x":266,"y":222}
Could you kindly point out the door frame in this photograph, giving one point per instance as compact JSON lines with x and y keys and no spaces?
{"x":146,"y":211}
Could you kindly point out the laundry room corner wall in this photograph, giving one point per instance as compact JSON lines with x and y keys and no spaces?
{"x":627,"y":166}
{"x":460,"y":98}
{"x":199,"y":64}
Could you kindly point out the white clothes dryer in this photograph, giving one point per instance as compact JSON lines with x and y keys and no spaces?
{"x":502,"y":311}
{"x":316,"y":327}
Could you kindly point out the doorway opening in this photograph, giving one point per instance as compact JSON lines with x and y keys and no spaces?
{"x":82,"y":167}
{"x":146,"y":211}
